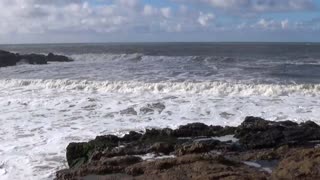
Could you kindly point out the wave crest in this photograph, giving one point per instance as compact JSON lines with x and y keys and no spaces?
{"x":210,"y":88}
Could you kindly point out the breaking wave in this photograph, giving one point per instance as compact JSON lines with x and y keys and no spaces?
{"x":212,"y":88}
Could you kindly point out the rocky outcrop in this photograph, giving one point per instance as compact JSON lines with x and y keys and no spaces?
{"x":257,"y":133}
{"x":195,"y":151}
{"x":57,"y":58}
{"x":8,"y":59}
{"x":11,"y":59}
{"x":33,"y":59}
{"x":152,"y":141}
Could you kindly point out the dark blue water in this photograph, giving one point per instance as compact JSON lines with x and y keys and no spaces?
{"x":279,"y":63}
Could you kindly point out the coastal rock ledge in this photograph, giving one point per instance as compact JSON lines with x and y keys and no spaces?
{"x":11,"y":59}
{"x":256,"y":149}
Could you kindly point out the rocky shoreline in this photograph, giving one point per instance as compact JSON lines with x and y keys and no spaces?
{"x":256,"y":149}
{"x":12,"y":59}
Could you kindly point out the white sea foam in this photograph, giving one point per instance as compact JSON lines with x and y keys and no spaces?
{"x":40,"y":117}
{"x":43,"y":108}
{"x":211,"y":88}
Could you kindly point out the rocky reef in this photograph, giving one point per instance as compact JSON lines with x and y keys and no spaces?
{"x":11,"y":59}
{"x":256,"y":149}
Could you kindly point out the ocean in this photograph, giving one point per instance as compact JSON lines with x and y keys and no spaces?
{"x":108,"y":87}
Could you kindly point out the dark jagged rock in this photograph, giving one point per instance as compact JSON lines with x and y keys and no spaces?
{"x":8,"y":59}
{"x":160,"y":147}
{"x":258,"y":133}
{"x":194,"y":129}
{"x":11,"y":59}
{"x":57,"y":58}
{"x":80,"y":153}
{"x":197,"y":147}
{"x":195,"y":153}
{"x":200,"y":129}
{"x":132,"y":136}
{"x":152,"y":136}
{"x":33,"y":59}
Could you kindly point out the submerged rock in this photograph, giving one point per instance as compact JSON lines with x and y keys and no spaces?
{"x":157,"y":106}
{"x":146,"y":110}
{"x":151,"y":108}
{"x":129,"y":111}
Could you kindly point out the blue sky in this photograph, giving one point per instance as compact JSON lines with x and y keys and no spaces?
{"x":47,"y":21}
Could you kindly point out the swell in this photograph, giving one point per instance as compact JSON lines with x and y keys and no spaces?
{"x":203,"y":58}
{"x":209,"y":88}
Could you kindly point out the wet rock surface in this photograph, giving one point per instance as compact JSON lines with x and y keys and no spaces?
{"x":264,"y":150}
{"x":11,"y":59}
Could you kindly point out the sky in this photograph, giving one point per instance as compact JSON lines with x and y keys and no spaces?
{"x":67,"y":21}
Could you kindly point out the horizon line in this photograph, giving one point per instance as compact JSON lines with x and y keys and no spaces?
{"x":168,"y":42}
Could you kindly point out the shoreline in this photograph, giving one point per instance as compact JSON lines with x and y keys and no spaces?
{"x":256,"y":149}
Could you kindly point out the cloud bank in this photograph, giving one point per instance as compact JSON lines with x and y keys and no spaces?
{"x":105,"y":17}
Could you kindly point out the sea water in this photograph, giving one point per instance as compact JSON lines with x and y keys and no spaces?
{"x":45,"y":107}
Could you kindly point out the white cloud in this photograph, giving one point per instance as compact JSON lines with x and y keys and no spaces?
{"x":35,"y":16}
{"x":129,"y":3}
{"x":282,"y":5}
{"x":266,"y":24}
{"x":71,"y":17}
{"x":271,"y":24}
{"x":204,"y":19}
{"x":149,"y":10}
{"x":257,"y":6}
{"x":228,"y":3}
{"x":183,"y":9}
{"x":166,"y":12}
{"x":285,"y":24}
